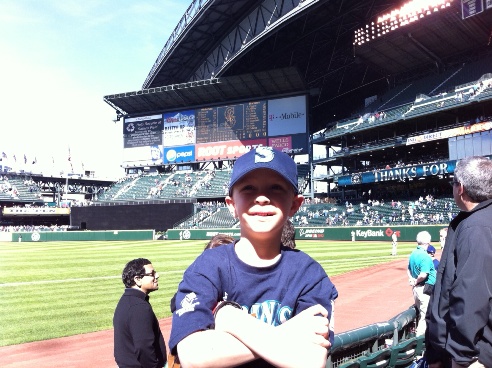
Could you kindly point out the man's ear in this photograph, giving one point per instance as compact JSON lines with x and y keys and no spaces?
{"x":296,"y":204}
{"x":231,"y":206}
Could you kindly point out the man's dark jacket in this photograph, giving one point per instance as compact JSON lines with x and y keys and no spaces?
{"x":459,"y":317}
{"x":138,"y":340}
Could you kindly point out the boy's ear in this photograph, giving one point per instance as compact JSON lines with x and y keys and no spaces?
{"x":231,"y":206}
{"x":296,"y":204}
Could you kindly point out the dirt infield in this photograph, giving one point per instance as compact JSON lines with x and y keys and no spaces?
{"x":366,"y":296}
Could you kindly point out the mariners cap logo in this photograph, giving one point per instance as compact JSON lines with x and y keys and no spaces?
{"x":268,"y":158}
{"x":264,"y":154}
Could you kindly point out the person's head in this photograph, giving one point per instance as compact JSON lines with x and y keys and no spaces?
{"x":472,"y":182}
{"x":263,"y":191}
{"x":424,"y":238}
{"x":140,"y":274}
{"x":431,"y":250}
{"x":218,"y":240}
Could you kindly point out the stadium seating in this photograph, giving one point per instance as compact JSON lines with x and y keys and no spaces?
{"x":379,"y":359}
{"x":404,"y":353}
{"x":221,"y":218}
{"x":438,"y":92}
{"x":18,"y":188}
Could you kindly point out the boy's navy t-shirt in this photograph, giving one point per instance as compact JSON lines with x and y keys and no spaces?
{"x":272,"y":294}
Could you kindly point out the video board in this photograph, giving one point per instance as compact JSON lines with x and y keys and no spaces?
{"x":217,"y":132}
{"x":233,"y":122}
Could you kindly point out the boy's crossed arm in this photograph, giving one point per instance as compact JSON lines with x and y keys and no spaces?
{"x":239,"y":338}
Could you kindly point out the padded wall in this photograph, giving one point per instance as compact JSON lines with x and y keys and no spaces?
{"x":159,"y":217}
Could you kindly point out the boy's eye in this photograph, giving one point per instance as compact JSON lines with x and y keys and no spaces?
{"x":277,"y":187}
{"x":247,"y":187}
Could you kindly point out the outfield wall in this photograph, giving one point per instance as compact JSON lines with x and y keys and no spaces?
{"x":366,"y":233}
{"x":46,"y":236}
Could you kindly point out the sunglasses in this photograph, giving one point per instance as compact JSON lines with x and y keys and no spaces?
{"x":151,"y":274}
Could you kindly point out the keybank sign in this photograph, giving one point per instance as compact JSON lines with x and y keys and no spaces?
{"x":327,"y":233}
{"x":369,"y":233}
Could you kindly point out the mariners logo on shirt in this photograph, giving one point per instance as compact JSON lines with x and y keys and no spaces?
{"x":188,"y":304}
{"x":271,"y":312}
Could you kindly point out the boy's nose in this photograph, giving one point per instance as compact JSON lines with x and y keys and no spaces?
{"x":262,"y":199}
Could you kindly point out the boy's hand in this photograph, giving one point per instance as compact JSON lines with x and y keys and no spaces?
{"x":310,"y":325}
{"x":308,"y":331}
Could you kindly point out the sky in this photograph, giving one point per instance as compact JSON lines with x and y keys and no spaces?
{"x":58,"y":61}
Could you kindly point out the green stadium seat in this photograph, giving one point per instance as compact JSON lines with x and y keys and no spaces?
{"x":379,"y":359}
{"x":404,"y":353}
{"x":350,"y":364}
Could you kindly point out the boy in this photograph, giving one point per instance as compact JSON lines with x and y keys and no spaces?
{"x":256,"y":303}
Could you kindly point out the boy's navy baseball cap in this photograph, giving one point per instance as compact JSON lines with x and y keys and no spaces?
{"x":431,"y":249}
{"x":265,"y":158}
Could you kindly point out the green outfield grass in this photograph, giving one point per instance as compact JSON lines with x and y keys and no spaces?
{"x":56,"y":289}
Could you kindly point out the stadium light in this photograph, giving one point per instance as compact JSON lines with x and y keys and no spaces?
{"x":407,"y":14}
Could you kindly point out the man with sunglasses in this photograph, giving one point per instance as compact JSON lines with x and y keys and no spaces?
{"x":138,"y":340}
{"x":459,"y":317}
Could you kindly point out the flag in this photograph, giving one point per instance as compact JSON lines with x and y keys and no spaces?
{"x":70,"y":159}
{"x":25,"y":159}
{"x":15,"y":158}
{"x":35,"y":160}
{"x":4,"y":155}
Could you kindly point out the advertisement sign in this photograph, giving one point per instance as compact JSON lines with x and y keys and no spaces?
{"x":361,"y":235}
{"x":287,"y":116}
{"x":145,"y":156}
{"x":143,"y":131}
{"x":179,"y":154}
{"x":179,"y":128}
{"x":454,"y":132}
{"x":216,"y":132}
{"x":399,"y":173}
{"x":226,"y":150}
{"x":293,"y":144}
{"x":470,"y":8}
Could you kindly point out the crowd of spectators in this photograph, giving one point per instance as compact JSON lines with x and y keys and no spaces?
{"x":8,"y":188}
{"x":32,"y":228}
{"x":422,"y":211}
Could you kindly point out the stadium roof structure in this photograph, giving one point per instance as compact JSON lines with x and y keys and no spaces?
{"x":219,"y":39}
{"x":205,"y":92}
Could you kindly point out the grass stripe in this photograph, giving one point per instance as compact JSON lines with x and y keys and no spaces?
{"x":56,"y":289}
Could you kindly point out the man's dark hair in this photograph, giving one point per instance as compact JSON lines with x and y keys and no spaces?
{"x":132,"y":269}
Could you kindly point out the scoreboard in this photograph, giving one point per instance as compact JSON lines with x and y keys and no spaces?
{"x":216,"y":132}
{"x":227,"y":123}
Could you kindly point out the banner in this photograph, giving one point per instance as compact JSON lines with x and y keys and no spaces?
{"x":399,"y":173}
{"x":291,"y":144}
{"x":454,"y":132}
{"x":179,"y":128}
{"x":470,"y":8}
{"x":346,"y":233}
{"x":179,"y":154}
{"x":143,"y":131}
{"x":287,"y":116}
{"x":226,"y":150}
